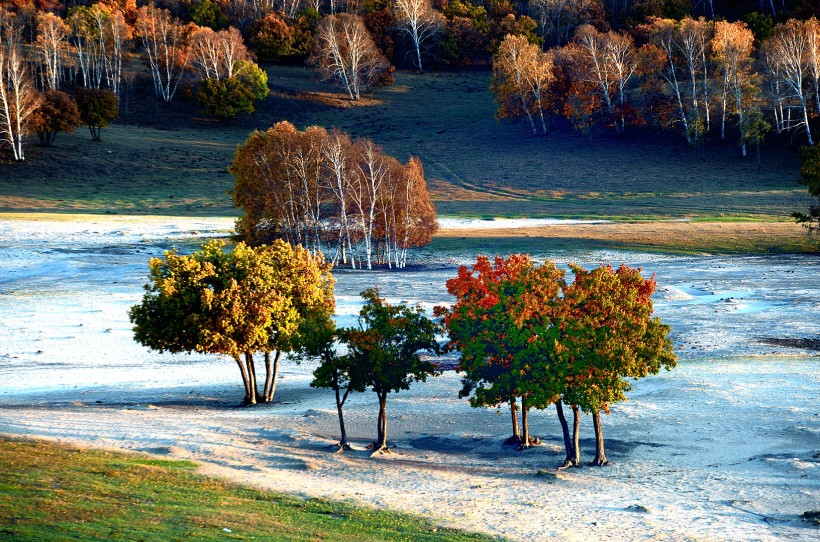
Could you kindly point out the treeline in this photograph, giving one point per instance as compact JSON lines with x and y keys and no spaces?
{"x":331,"y":194}
{"x":58,"y":72}
{"x":523,"y":332}
{"x":696,"y":76}
{"x":51,"y":46}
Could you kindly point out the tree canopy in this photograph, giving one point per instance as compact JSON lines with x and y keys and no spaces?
{"x":523,"y":331}
{"x":322,"y":190}
{"x":233,"y":303}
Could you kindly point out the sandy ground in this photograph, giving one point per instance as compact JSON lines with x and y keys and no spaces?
{"x":725,"y":447}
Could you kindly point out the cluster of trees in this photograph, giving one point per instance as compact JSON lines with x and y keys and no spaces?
{"x":331,"y":194}
{"x":695,"y":75}
{"x":88,"y":52}
{"x":524,"y":332}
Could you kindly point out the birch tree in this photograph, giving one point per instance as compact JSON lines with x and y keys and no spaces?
{"x":612,"y":61}
{"x":51,"y":47}
{"x":214,"y":55}
{"x":789,"y":47}
{"x":510,"y":66}
{"x":164,"y":40}
{"x":19,"y":98}
{"x":100,"y":37}
{"x":732,"y":48}
{"x":694,"y":37}
{"x":421,"y":23}
{"x":812,"y":27}
{"x":344,"y":51}
{"x":332,"y":195}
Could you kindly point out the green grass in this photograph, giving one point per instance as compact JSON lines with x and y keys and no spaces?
{"x":167,"y":160}
{"x":54,"y":493}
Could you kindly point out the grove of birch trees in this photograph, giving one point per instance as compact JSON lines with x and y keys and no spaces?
{"x":703,"y":78}
{"x":331,"y":194}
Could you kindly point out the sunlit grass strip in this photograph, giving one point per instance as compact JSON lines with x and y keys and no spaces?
{"x":52,"y":493}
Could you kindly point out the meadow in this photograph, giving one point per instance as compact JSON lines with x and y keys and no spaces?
{"x":160,"y":159}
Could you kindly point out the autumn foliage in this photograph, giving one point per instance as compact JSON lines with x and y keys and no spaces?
{"x":235,"y":303}
{"x":331,"y":194}
{"x":524,"y":332}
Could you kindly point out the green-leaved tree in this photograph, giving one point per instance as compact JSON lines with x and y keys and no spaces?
{"x":384,"y":351}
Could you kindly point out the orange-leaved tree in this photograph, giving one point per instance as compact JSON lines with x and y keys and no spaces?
{"x":608,"y":335}
{"x":500,"y":306}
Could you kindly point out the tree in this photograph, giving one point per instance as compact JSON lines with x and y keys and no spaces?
{"x":97,"y":107}
{"x":164,"y":39}
{"x":334,"y":371}
{"x":609,"y":335}
{"x":420,"y":22}
{"x":755,"y":129}
{"x":492,"y":324}
{"x":789,"y":48}
{"x":234,"y":304}
{"x":99,"y":36}
{"x":810,"y":176}
{"x":58,"y":112}
{"x":277,"y":38}
{"x":52,"y":48}
{"x":732,"y":47}
{"x":558,"y":19}
{"x":611,"y":62}
{"x":18,"y":97}
{"x":328,"y":193}
{"x":216,"y":55}
{"x":344,"y":51}
{"x":511,"y":64}
{"x":477,"y":326}
{"x":384,"y":351}
{"x":227,"y":97}
{"x":208,"y":13}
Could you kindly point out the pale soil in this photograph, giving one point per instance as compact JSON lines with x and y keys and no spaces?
{"x":724,"y":447}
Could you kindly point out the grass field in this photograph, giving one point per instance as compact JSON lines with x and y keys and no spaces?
{"x":54,"y":493}
{"x":167,"y":160}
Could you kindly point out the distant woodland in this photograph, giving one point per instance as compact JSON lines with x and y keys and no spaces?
{"x":709,"y":69}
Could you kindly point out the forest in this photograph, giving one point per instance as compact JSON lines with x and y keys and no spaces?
{"x":710,"y":71}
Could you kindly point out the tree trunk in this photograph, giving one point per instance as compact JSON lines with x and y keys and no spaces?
{"x":340,"y":402}
{"x":514,"y":411}
{"x":568,"y":462}
{"x":381,"y":438}
{"x":271,"y":376}
{"x":245,"y":381}
{"x":525,"y":426}
{"x":757,"y":145}
{"x":600,"y":457}
{"x":254,"y":393}
{"x":576,"y":433}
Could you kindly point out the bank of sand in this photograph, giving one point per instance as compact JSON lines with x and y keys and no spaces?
{"x":718,"y":449}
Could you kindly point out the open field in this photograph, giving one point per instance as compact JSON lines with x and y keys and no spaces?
{"x":168,"y":160}
{"x":53,"y":493}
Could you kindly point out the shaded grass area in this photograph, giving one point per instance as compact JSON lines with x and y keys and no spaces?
{"x":167,"y":159}
{"x":54,"y":493}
